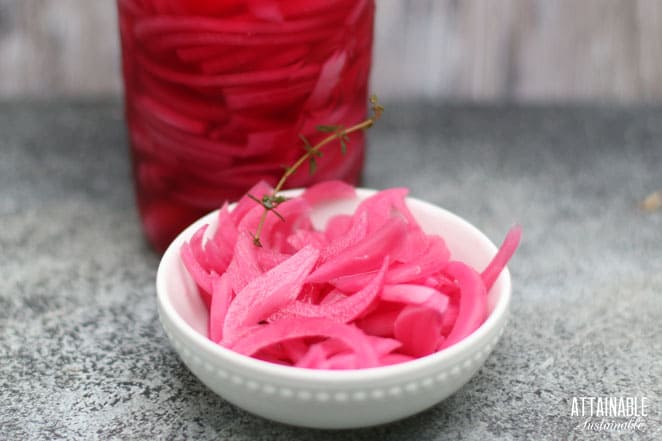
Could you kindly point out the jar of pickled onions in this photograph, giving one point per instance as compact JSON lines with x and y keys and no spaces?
{"x":218,"y":92}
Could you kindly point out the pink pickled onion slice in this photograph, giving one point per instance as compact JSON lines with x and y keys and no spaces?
{"x":342,"y":361}
{"x":269,"y":258}
{"x":328,"y":191}
{"x":200,"y":276}
{"x":352,"y":282}
{"x":441,"y":283}
{"x":205,"y":152}
{"x":418,"y":328}
{"x":270,"y":358}
{"x":250,"y":99}
{"x":337,"y":226}
{"x":344,"y":310}
{"x":383,"y":205}
{"x":187,"y":102}
{"x":170,"y":116}
{"x":205,"y":21}
{"x":384,"y":346}
{"x":365,"y":255}
{"x":260,"y":143}
{"x":275,"y":350}
{"x":333,"y":296}
{"x":312,"y":293}
{"x":287,"y":74}
{"x":270,"y":291}
{"x":332,"y":346}
{"x":172,"y":139}
{"x":220,"y":301}
{"x":218,"y":61}
{"x":416,"y":295}
{"x":302,"y":237}
{"x":217,"y":259}
{"x":328,"y":80}
{"x":315,"y":358}
{"x":473,"y":302}
{"x":432,"y":261}
{"x":282,"y":57}
{"x":294,"y":349}
{"x":225,"y":236}
{"x":309,"y":327}
{"x":355,"y":234}
{"x":244,"y":266}
{"x":500,"y":260}
{"x":268,"y":11}
{"x":313,"y":8}
{"x":449,"y":319}
{"x":197,"y":248}
{"x":380,"y":321}
{"x":415,"y":244}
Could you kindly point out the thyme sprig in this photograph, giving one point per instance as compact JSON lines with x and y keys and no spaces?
{"x":270,"y":202}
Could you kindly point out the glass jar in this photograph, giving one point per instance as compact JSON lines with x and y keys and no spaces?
{"x":217,"y":93}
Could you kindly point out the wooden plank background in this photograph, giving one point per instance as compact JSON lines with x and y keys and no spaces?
{"x":451,"y":50}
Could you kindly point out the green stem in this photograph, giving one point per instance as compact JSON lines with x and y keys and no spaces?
{"x":364,"y":125}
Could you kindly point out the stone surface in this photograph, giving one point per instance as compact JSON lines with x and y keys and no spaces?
{"x":82,"y":355}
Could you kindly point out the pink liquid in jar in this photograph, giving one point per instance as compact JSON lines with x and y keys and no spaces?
{"x":217,"y":93}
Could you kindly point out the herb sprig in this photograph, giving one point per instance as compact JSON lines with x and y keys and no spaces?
{"x":270,"y":202}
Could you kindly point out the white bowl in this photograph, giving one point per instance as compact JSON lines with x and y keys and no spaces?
{"x":325,"y":398}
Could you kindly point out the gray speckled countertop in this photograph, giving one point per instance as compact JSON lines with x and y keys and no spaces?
{"x":82,"y":355}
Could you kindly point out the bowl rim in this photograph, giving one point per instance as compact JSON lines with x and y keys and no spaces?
{"x":243,"y":362}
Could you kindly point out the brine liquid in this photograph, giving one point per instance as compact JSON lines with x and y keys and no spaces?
{"x":218,"y":92}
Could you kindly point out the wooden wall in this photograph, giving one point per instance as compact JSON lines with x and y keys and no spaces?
{"x":477,"y":50}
